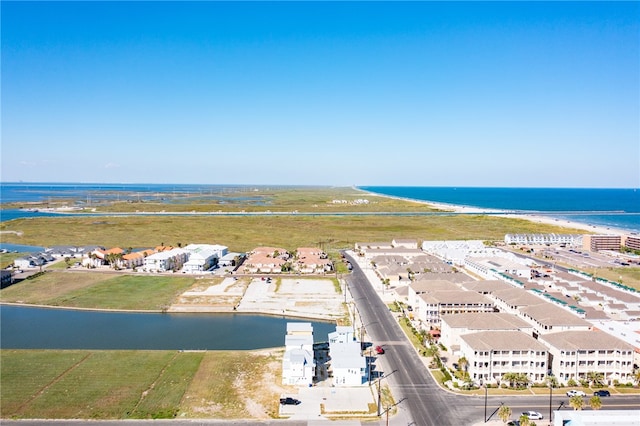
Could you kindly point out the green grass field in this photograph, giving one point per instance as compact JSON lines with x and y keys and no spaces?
{"x":98,"y":290}
{"x":134,"y":384}
{"x":247,"y":232}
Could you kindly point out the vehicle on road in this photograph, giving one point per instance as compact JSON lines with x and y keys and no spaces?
{"x":602,"y":393}
{"x":574,"y":392}
{"x":533,"y":415}
{"x":379,"y":350}
{"x":514,"y":423}
{"x":289,"y":401}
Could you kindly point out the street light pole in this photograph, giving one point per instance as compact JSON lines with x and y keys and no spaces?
{"x":550,"y":399}
{"x":485,"y":402}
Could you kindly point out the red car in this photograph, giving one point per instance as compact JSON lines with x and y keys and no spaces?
{"x":379,"y":350}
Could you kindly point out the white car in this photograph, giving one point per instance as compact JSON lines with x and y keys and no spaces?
{"x":574,"y":392}
{"x":533,"y":415}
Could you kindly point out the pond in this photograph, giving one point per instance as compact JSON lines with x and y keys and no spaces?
{"x":42,"y":328}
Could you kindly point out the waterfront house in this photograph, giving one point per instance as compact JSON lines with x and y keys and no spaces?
{"x":348,"y":364}
{"x":168,"y":260}
{"x":202,"y":257}
{"x":298,"y":362}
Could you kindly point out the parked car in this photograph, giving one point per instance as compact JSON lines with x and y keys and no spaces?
{"x":602,"y":393}
{"x":533,"y":415}
{"x":379,"y":350}
{"x":574,"y":392}
{"x":514,"y":423}
{"x":289,"y":401}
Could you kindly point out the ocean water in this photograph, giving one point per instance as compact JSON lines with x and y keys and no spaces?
{"x":615,"y":208}
{"x":17,"y":192}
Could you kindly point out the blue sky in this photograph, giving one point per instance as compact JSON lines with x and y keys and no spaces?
{"x":542,"y":94}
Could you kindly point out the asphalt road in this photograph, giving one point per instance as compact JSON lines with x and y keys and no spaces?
{"x":421,"y":401}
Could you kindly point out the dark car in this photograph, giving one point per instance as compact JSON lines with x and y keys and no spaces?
{"x":602,"y":393}
{"x":289,"y":401}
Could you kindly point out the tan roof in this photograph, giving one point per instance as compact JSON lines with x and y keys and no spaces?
{"x":486,"y":286}
{"x":456,"y":297}
{"x":551,"y":315}
{"x":454,"y":277}
{"x":585,"y":340}
{"x":502,"y":341}
{"x":517,"y":297}
{"x":485,"y":321}
{"x":421,"y":286}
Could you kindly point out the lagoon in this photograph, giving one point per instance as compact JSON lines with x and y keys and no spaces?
{"x":25,"y":327}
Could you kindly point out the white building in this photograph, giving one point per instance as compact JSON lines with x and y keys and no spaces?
{"x":491,"y":354}
{"x":298,"y":364}
{"x":348,"y":365}
{"x":169,"y":260}
{"x":494,"y":267}
{"x":574,"y":354}
{"x":596,"y":417}
{"x":431,"y":306}
{"x":202,"y":257}
{"x":571,"y":240}
{"x":453,"y":326}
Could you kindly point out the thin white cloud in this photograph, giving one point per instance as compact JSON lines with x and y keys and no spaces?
{"x":111,"y":166}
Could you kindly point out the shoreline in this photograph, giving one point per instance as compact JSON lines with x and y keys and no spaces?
{"x":511,"y":214}
{"x":180,"y":310}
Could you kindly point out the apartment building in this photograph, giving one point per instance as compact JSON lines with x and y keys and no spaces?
{"x":433,"y":305}
{"x":575,"y":354}
{"x":492,"y":354}
{"x":602,"y":242}
{"x":571,"y":240}
{"x":453,"y":326}
{"x":632,"y":242}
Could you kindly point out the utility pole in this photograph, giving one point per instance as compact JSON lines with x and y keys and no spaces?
{"x":379,"y":403}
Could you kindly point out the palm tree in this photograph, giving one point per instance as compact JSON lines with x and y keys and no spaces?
{"x":576,"y":402}
{"x":636,"y":376}
{"x":595,"y":402}
{"x":524,"y":420}
{"x":463,"y":363}
{"x":596,"y":378}
{"x":504,"y":413}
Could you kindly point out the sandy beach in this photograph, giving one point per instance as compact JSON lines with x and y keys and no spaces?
{"x":548,"y":220}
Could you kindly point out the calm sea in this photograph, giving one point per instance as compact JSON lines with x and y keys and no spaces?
{"x":616,"y":208}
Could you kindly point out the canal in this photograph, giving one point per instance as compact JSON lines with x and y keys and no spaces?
{"x":42,"y":328}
